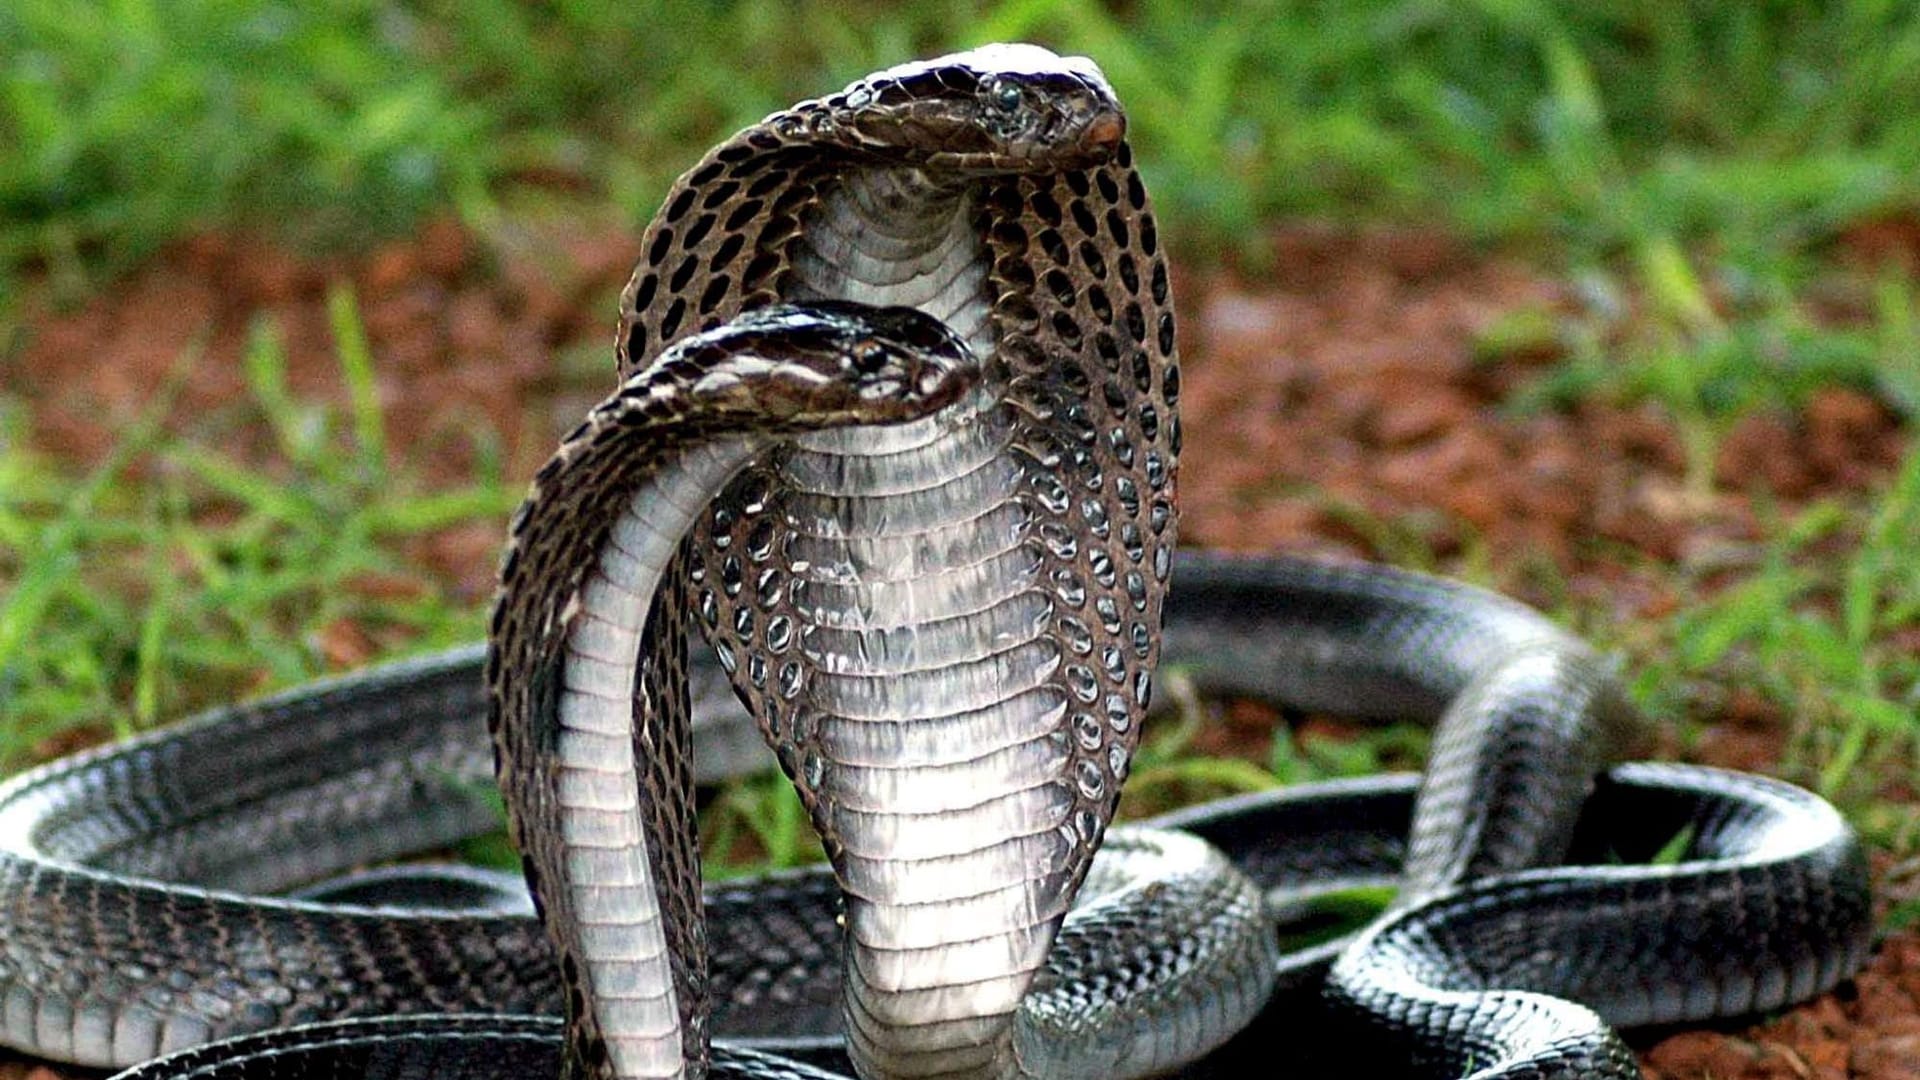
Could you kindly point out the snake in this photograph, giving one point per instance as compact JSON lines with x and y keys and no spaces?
{"x":879,"y":591}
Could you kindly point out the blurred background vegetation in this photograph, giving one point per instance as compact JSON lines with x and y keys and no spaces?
{"x":1582,"y":129}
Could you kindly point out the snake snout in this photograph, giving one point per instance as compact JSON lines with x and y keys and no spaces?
{"x":1103,"y":132}
{"x":918,"y":383}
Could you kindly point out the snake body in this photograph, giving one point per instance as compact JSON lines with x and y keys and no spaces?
{"x":586,"y":670}
{"x":946,"y":628}
{"x":109,"y":958}
{"x":995,"y":561}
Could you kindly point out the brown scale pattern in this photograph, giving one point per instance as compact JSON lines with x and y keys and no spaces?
{"x":1082,"y":316}
{"x":1084,"y":323}
{"x":719,"y":244}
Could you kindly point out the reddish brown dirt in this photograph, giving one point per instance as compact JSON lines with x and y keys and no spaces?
{"x":1871,"y":1029}
{"x":1342,"y":404}
{"x":1364,"y":379}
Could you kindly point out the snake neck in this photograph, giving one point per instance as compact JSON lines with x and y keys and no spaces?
{"x":587,"y":650}
{"x":946,"y":629}
{"x":899,"y":236}
{"x":614,"y":871}
{"x":929,"y":735}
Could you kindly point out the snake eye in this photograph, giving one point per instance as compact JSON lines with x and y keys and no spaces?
{"x":1002,"y":95}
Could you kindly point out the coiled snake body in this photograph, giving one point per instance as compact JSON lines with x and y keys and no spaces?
{"x":945,"y":626}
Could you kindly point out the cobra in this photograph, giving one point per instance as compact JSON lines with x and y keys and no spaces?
{"x":926,"y":185}
{"x":946,"y":628}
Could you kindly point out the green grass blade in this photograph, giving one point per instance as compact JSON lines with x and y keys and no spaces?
{"x":356,"y":365}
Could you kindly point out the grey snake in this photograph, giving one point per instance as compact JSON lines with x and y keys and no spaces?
{"x":994,"y":559}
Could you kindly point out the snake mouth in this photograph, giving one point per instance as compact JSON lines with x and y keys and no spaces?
{"x":1081,"y":141}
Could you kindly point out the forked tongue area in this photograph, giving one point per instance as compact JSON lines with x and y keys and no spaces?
{"x":938,"y":727}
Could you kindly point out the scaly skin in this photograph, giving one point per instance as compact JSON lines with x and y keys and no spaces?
{"x":947,"y":632}
{"x":586,"y":666}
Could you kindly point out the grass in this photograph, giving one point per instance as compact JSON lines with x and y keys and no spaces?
{"x":1811,"y":623}
{"x":1815,"y":616}
{"x":1713,"y":338}
{"x":1605,"y":127}
{"x":1686,"y":164}
{"x":181,"y":572}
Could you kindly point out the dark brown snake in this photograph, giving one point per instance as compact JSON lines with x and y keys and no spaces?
{"x":930,"y":549}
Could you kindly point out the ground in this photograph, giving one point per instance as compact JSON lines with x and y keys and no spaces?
{"x":1353,"y":398}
